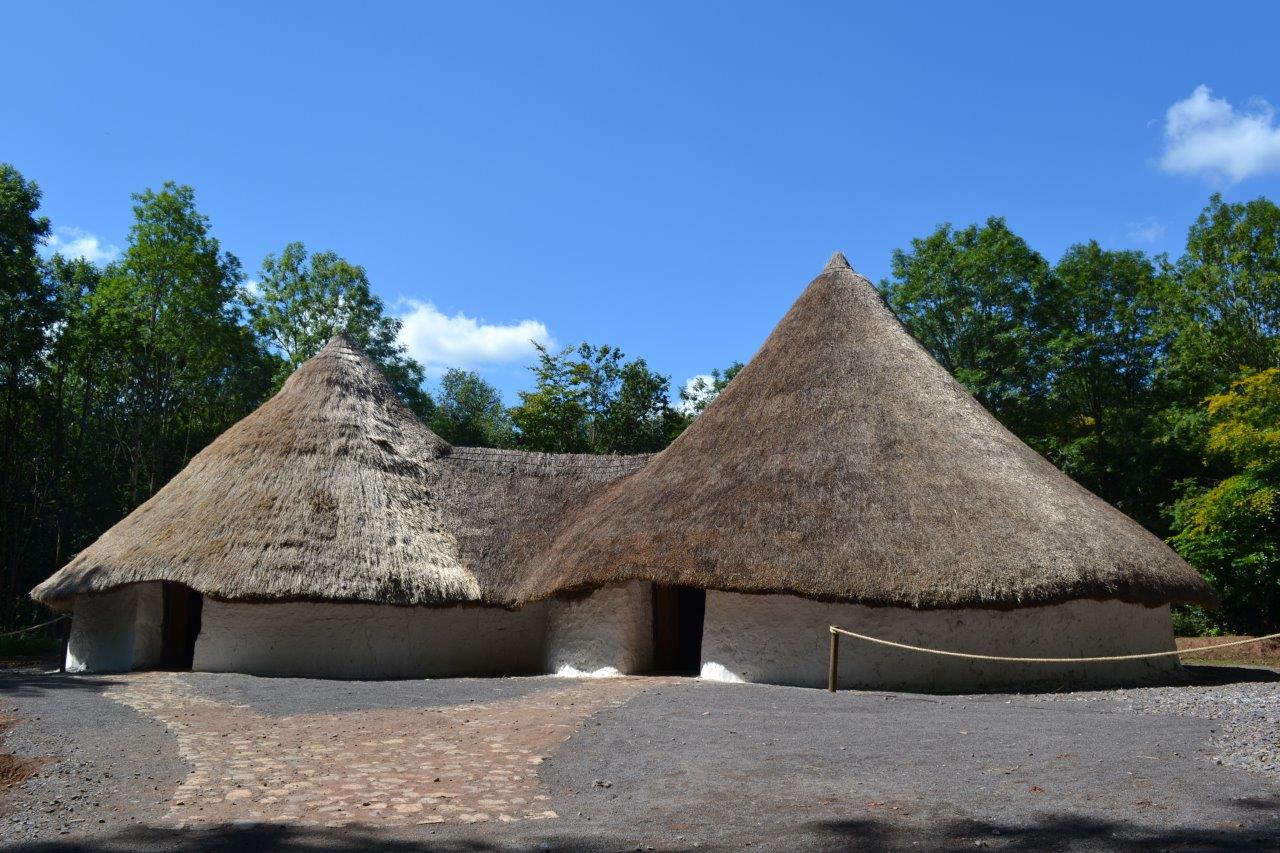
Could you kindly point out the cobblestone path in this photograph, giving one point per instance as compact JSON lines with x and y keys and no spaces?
{"x":456,"y":764}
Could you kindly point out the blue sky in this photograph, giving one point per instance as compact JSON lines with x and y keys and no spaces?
{"x":663,"y":177}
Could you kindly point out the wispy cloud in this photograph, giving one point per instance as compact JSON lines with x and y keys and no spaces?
{"x":440,"y":341}
{"x":696,"y":389}
{"x":1149,"y":230}
{"x":77,"y":243}
{"x":1208,"y":137}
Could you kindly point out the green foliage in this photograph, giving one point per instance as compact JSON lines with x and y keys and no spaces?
{"x":969,"y":295}
{"x":183,"y":365}
{"x":700,"y":393}
{"x":1155,"y":384}
{"x":1222,"y":309}
{"x":1231,"y":531}
{"x":301,"y":301}
{"x":26,"y":303}
{"x":28,"y":310}
{"x":589,"y":400}
{"x":469,"y":412}
{"x":1101,"y":352}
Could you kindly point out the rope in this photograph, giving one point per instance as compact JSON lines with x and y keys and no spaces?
{"x":911,"y":648}
{"x":34,"y":627}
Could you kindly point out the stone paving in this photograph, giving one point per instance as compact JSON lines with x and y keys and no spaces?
{"x":467,"y":763}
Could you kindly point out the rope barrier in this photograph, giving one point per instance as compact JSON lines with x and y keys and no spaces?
{"x":34,"y":627}
{"x":909,"y":647}
{"x":836,"y":632}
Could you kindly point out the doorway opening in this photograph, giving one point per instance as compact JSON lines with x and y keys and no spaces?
{"x":181,"y":626}
{"x":677,"y":629}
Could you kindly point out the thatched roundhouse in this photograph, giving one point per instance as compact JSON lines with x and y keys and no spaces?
{"x":331,"y":533}
{"x":843,"y":477}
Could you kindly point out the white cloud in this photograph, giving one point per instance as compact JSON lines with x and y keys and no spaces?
{"x":439,"y":341}
{"x":1206,"y":136}
{"x":77,"y":243}
{"x":696,"y":389}
{"x":1149,"y":230}
{"x":252,"y":287}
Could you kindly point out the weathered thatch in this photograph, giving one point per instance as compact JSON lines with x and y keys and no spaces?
{"x":323,"y":492}
{"x":504,"y":507}
{"x":844,"y":463}
{"x":333,"y":490}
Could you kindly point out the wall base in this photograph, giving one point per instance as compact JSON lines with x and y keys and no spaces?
{"x":781,"y":639}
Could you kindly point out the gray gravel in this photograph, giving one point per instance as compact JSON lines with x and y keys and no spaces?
{"x":1246,"y":733}
{"x":111,"y":768}
{"x":711,"y":766}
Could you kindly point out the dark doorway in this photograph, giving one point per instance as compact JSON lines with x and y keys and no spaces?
{"x":677,"y":629}
{"x":182,"y":607}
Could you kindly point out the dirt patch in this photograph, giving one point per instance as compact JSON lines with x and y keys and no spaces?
{"x":1265,"y":653}
{"x":14,"y":770}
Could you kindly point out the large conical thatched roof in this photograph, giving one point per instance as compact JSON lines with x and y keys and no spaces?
{"x":323,"y":492}
{"x":844,"y":463}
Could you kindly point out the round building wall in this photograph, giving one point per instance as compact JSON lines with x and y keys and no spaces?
{"x":609,"y":632}
{"x":782,"y":639}
{"x":362,"y":641}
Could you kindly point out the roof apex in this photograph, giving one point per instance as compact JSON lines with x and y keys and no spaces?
{"x":838,"y":262}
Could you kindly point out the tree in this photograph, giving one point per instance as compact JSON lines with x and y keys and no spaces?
{"x":183,"y":367}
{"x":469,"y":412}
{"x":1102,"y":350}
{"x":551,"y":418}
{"x":589,"y":400}
{"x":1231,"y":531}
{"x":1222,"y":309}
{"x":27,"y":311}
{"x":968,"y":296}
{"x":301,"y":301}
{"x":701,"y":391}
{"x":639,"y":418}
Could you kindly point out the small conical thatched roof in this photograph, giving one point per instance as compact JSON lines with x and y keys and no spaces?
{"x":325,"y":492}
{"x":844,"y":463}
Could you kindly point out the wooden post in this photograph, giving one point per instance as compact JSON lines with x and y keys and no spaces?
{"x":834,"y":663}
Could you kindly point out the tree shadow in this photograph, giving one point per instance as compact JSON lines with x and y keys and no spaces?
{"x":1063,"y":832}
{"x":28,"y":682}
{"x":231,"y":838}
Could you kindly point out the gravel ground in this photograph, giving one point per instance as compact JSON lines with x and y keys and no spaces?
{"x":1246,"y":714}
{"x":110,"y":769}
{"x":687,"y":764}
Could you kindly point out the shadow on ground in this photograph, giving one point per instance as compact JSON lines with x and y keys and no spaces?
{"x":1212,"y":675}
{"x":29,"y":682}
{"x":1046,"y":832}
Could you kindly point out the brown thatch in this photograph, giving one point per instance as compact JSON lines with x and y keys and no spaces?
{"x":333,"y":490}
{"x":504,"y":507}
{"x":844,"y":463}
{"x":323,"y":492}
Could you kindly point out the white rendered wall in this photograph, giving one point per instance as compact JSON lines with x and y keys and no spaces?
{"x":323,"y":640}
{"x":117,"y":631}
{"x":609,"y":632}
{"x":782,"y":639}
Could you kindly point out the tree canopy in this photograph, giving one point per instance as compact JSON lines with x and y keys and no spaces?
{"x":1154,"y":382}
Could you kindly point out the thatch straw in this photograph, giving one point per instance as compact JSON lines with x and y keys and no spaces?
{"x":333,"y":490}
{"x":323,"y":492}
{"x":844,"y":463}
{"x":504,"y":507}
